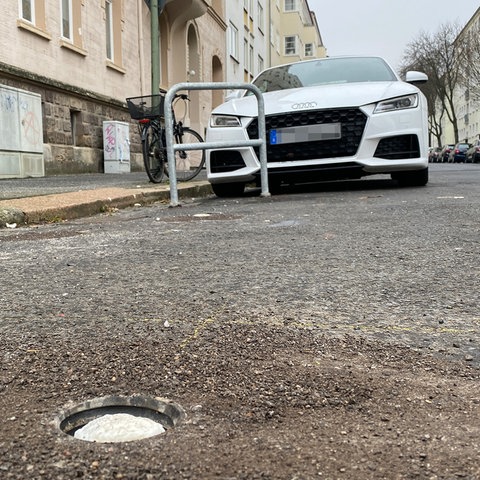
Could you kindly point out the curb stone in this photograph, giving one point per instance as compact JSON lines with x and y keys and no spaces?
{"x":11,"y":216}
{"x":36,"y":210}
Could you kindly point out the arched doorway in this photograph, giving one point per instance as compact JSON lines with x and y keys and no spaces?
{"x":193,"y":73}
{"x":164,"y":34}
{"x":217,"y":76}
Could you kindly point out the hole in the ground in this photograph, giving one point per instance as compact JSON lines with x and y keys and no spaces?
{"x":115,"y":419}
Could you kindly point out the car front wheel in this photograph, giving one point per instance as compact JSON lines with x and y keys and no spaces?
{"x":414,"y":178}
{"x":228,"y":189}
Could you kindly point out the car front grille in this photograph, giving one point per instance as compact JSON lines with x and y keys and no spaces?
{"x":352,"y":121}
{"x":222,"y":161}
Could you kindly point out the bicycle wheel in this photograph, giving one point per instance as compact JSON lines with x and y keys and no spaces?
{"x":188,"y":162}
{"x":154,"y":153}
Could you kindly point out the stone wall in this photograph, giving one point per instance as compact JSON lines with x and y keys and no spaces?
{"x":73,"y":127}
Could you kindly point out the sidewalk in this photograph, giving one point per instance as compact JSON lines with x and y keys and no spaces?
{"x":47,"y":199}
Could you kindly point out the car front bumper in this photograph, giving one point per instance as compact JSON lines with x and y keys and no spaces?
{"x":369,"y":144}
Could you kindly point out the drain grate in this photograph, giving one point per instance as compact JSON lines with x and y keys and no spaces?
{"x":120,"y":418}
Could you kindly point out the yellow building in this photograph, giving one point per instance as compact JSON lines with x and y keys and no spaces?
{"x":294,"y":33}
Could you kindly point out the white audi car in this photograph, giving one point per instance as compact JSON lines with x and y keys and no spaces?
{"x":326,"y":119}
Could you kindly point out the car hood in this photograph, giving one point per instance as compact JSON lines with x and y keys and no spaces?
{"x":318,"y":97}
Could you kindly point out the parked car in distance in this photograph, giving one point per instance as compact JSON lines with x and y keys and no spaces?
{"x":434,"y":154}
{"x":459,"y":153}
{"x":473,"y":153}
{"x":445,"y":152}
{"x":326,"y":119}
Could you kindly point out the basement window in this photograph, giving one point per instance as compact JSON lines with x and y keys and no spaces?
{"x":76,"y":127}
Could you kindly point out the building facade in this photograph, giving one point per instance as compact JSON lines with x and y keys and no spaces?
{"x":84,"y":58}
{"x":79,"y":71}
{"x":469,"y":106}
{"x":293,"y":32}
{"x":246,"y":39}
{"x":466,"y":101}
{"x":265,"y":33}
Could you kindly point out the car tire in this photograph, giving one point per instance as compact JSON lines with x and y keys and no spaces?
{"x":414,"y":178}
{"x":228,"y":189}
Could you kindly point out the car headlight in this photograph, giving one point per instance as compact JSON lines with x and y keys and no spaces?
{"x":399,"y":103}
{"x":224,"y":121}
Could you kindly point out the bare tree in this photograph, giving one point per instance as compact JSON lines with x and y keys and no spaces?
{"x":436,"y":113}
{"x":442,"y":59}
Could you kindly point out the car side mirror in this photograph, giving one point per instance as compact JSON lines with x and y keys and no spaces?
{"x":233,"y":95}
{"x":415,"y":77}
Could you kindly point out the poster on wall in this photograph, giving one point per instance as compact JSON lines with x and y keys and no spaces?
{"x":20,"y":121}
{"x":9,"y":122}
{"x":30,"y":117}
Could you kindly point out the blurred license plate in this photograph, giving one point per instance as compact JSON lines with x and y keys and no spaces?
{"x":305,"y":133}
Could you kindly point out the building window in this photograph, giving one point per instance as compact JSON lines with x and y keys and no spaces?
{"x":113,"y":33}
{"x":71,"y":25}
{"x":245,"y":54}
{"x":309,"y":49}
{"x":233,"y":41}
{"x":67,"y":19}
{"x":261,"y":17}
{"x":32,"y":16}
{"x":27,"y":10}
{"x":109,"y":29}
{"x":291,"y":45}
{"x":290,"y":5}
{"x":251,"y":59}
{"x":261,"y":64}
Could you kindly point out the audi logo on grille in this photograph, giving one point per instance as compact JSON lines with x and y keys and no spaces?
{"x":302,"y":106}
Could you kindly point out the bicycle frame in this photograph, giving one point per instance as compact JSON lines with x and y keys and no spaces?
{"x":156,"y":123}
{"x":148,"y":111}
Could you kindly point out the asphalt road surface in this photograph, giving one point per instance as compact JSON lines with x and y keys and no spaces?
{"x":365,"y":256}
{"x":194,"y":302}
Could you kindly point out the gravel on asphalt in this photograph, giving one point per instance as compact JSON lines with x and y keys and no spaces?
{"x":330,"y":333}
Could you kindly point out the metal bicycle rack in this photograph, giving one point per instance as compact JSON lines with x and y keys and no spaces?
{"x":172,"y":148}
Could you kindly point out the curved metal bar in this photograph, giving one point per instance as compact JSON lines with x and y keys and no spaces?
{"x":171,"y":147}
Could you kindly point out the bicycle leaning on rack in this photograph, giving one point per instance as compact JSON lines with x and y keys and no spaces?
{"x":148,"y":111}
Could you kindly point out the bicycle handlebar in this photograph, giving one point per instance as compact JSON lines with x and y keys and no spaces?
{"x":183,"y":96}
{"x":145,"y":107}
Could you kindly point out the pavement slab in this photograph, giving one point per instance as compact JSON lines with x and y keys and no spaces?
{"x":85,"y":202}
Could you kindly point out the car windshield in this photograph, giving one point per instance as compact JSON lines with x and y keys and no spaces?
{"x":324,"y":72}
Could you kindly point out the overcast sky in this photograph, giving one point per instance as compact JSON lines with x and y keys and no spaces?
{"x":384,"y":27}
